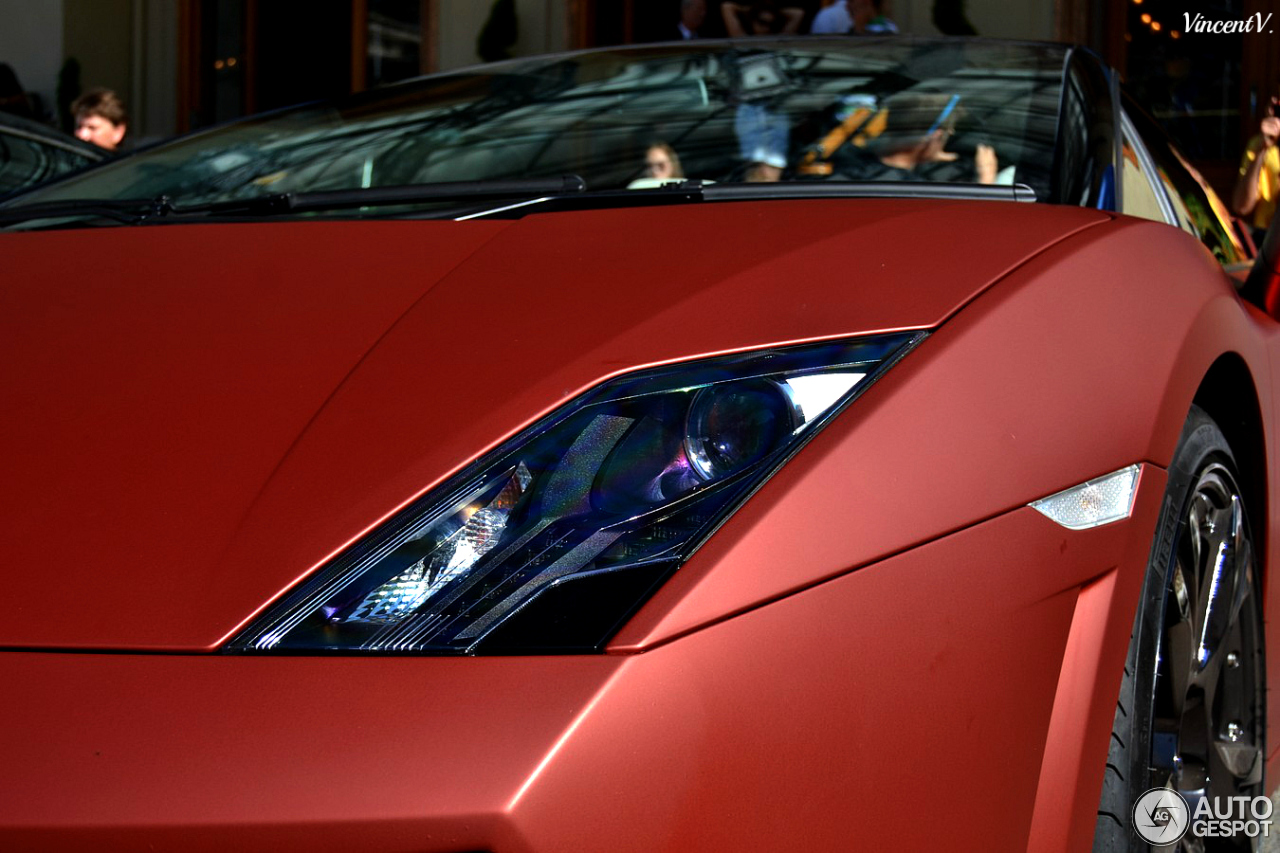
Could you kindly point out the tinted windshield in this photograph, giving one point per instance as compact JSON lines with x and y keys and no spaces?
{"x":31,"y":155}
{"x":794,"y":110}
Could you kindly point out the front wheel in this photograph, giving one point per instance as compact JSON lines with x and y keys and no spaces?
{"x":1191,"y":713}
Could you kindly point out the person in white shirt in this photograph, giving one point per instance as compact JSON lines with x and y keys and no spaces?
{"x":857,"y":17}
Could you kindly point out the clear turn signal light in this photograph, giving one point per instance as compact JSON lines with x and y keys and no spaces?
{"x":1100,"y":501}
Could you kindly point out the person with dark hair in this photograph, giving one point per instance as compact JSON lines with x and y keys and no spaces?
{"x":12,"y":97}
{"x":100,"y":118}
{"x":692,"y":14}
{"x":918,"y":126}
{"x":760,"y":18}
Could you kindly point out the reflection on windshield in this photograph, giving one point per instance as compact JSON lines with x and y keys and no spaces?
{"x":792,"y":110}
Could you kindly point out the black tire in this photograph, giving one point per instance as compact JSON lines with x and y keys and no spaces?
{"x":1196,"y":721}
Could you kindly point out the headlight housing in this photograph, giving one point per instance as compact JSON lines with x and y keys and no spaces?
{"x":550,"y":542}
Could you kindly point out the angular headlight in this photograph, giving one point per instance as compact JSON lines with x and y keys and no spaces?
{"x":549,"y":543}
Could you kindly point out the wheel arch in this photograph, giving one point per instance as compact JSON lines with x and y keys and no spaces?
{"x":1229,"y":395}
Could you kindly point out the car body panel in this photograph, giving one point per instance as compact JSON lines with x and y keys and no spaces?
{"x":1015,"y":442}
{"x":119,"y":456}
{"x":896,"y":709}
{"x":194,"y":733}
{"x":265,"y":476}
{"x":678,"y":739}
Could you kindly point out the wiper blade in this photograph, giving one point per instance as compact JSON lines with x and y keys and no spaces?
{"x":868,"y":189}
{"x":692,"y":191}
{"x":137,"y":211}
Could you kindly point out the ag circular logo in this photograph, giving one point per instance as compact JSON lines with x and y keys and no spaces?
{"x":1161,"y":816}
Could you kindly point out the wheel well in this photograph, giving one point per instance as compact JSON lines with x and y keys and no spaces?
{"x":1228,"y":394}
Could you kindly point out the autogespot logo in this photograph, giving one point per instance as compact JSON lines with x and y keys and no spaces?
{"x":1161,"y":816}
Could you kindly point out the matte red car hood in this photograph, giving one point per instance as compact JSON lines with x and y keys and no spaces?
{"x":198,"y":415}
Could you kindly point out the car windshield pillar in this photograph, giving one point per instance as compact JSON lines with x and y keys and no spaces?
{"x":1087,"y":157}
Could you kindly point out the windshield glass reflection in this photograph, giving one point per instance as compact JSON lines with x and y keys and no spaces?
{"x":793,"y":110}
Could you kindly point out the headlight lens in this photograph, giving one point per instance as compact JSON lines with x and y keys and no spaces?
{"x":552,"y":541}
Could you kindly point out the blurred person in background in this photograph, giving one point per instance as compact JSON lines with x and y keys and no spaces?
{"x":100,"y":118}
{"x":12,"y":97}
{"x":858,"y":17}
{"x":919,"y":126}
{"x":661,"y":161}
{"x":760,"y":18}
{"x":661,"y":166}
{"x":692,"y":14}
{"x":1258,"y":185}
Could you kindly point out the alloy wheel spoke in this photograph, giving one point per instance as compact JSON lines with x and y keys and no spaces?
{"x":1206,"y":736}
{"x":1239,"y":759}
{"x":1218,"y":580}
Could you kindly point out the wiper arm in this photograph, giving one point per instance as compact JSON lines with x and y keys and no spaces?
{"x":386,"y":196}
{"x":137,"y":211}
{"x":129,"y":211}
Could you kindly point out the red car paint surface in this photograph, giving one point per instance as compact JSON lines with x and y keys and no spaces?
{"x":332,"y":377}
{"x":277,"y":400}
{"x":650,"y":752}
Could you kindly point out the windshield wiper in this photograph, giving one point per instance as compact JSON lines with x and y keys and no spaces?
{"x":692,"y":191}
{"x":868,"y":189}
{"x":127,"y":211}
{"x":138,"y":211}
{"x":568,"y":192}
{"x":386,"y":196}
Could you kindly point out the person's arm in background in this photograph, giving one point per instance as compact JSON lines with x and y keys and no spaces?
{"x":732,"y":14}
{"x":985,"y":164}
{"x":794,"y":16}
{"x":1245,"y":197}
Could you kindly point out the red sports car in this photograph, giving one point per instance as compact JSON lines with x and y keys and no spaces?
{"x":749,"y":445}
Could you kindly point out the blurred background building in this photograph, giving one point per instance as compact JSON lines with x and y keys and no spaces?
{"x":185,"y":64}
